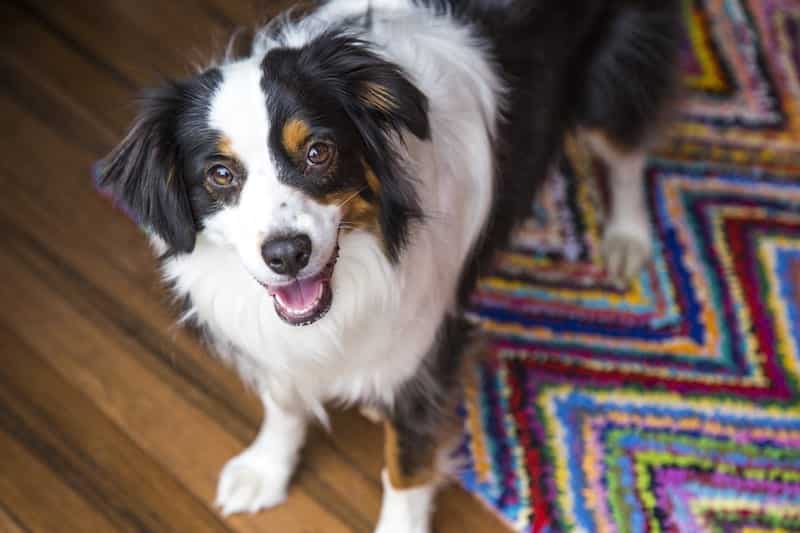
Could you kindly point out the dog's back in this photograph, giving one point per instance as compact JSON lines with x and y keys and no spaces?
{"x":607,"y":67}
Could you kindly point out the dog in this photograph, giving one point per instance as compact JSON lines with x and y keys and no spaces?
{"x":324,"y":204}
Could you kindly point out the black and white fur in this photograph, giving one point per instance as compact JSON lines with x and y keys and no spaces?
{"x":438,"y":119}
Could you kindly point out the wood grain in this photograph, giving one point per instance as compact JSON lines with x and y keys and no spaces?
{"x":10,"y":524}
{"x":115,"y":419}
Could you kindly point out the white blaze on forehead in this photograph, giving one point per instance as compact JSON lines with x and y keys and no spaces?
{"x":239,"y":111}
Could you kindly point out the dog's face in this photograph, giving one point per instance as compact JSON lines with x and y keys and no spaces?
{"x":275,"y":156}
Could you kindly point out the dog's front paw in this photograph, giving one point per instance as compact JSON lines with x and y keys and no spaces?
{"x":250,"y":482}
{"x":626,"y":248}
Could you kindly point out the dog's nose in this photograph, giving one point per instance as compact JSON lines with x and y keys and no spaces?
{"x":287,"y":255}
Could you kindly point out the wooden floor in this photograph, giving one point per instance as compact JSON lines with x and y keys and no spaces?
{"x":111,"y":419}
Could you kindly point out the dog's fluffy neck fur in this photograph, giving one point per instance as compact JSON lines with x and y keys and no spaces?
{"x":384,"y":316}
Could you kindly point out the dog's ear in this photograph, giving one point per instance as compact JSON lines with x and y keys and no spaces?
{"x":389,"y":98}
{"x":144,"y":174}
{"x":371,"y":88}
{"x":387,"y":102}
{"x":383,"y":104}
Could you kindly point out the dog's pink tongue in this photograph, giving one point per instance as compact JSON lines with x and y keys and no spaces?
{"x":300,"y":295}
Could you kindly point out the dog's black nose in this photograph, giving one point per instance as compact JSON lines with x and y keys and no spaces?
{"x":287,"y":255}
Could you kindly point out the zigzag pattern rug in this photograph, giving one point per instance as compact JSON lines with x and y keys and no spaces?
{"x":673,"y":405}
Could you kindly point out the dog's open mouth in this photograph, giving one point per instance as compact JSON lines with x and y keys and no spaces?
{"x":304,"y":301}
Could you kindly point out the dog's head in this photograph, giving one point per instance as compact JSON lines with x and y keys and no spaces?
{"x":275,"y":155}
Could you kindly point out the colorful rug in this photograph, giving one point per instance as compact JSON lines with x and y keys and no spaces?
{"x":673,"y":405}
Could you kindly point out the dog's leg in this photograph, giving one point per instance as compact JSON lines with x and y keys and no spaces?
{"x":259,"y":477}
{"x":627,"y":240}
{"x":627,"y":89}
{"x":417,"y":425}
{"x":409,"y":480}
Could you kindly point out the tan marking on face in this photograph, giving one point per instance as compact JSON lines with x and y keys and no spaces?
{"x":423,"y":473}
{"x":357,"y":212}
{"x":226,"y":155}
{"x":294,"y":135}
{"x":225,"y":148}
{"x":361,"y":214}
{"x":379,"y":97}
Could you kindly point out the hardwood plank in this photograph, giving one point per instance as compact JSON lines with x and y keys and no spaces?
{"x":72,"y":63}
{"x":9,"y":523}
{"x":247,"y":13}
{"x":107,"y":367}
{"x":63,"y":74}
{"x":86,"y":448}
{"x":41,"y":501}
{"x":72,"y":43}
{"x":141,"y":42}
{"x":48,"y":171}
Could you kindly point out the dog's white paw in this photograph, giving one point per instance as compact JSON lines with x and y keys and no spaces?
{"x":250,"y":482}
{"x":626,"y":248}
{"x":405,"y":510}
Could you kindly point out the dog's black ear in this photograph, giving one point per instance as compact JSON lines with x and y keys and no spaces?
{"x":390,"y":99}
{"x":387,"y":102}
{"x":144,"y":174}
{"x":374,"y":89}
{"x":382,"y":103}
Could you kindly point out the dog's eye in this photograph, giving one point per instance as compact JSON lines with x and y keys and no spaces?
{"x":219,"y":176}
{"x":319,"y":154}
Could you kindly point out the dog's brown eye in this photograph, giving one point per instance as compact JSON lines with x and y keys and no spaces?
{"x":220,"y":176}
{"x":319,"y":154}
